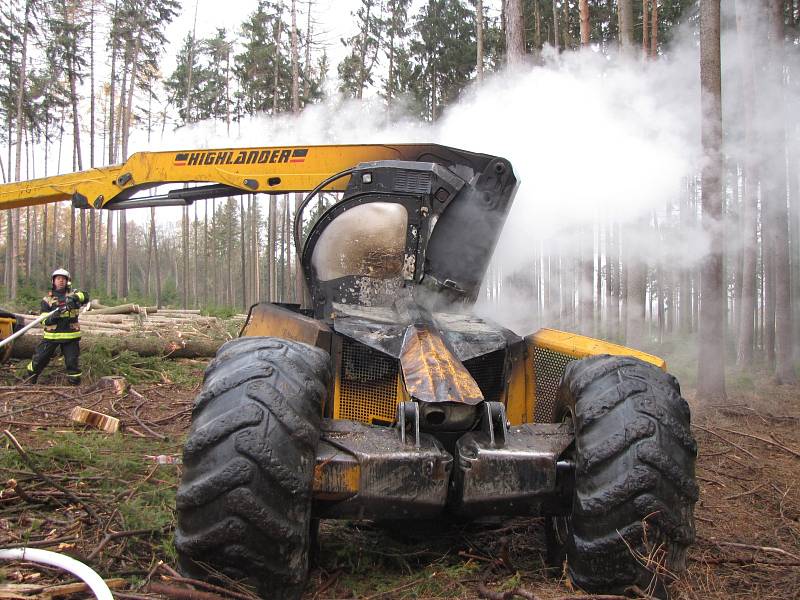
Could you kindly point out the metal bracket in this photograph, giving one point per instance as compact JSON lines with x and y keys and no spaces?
{"x":494,"y":423}
{"x":408,"y":421}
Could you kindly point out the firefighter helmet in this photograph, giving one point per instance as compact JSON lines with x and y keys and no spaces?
{"x":62,"y":272}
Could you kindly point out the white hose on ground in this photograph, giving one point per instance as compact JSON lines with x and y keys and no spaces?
{"x":77,"y":568}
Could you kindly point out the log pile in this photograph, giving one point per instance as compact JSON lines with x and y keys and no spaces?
{"x":146,"y":330}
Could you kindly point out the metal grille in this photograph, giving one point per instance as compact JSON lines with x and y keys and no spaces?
{"x":487,"y":371}
{"x":412,"y":181}
{"x":548,"y":369}
{"x":368,"y":390}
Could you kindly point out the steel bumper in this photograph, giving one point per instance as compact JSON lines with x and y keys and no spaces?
{"x":371,"y":472}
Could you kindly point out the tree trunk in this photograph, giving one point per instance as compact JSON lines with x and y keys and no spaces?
{"x":278,"y":28}
{"x":111,"y":107}
{"x":295,"y":62}
{"x":645,"y":29}
{"x":109,"y":252}
{"x":555,"y":25}
{"x":654,"y":30}
{"x":272,"y":247}
{"x":749,"y":213}
{"x":143,"y":346}
{"x":515,"y":32}
{"x":479,"y":40}
{"x":583,"y":7}
{"x":20,"y":121}
{"x":711,"y":359}
{"x":243,"y":249}
{"x":625,"y":17}
{"x":776,"y":188}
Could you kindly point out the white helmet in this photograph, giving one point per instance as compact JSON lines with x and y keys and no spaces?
{"x":62,"y":272}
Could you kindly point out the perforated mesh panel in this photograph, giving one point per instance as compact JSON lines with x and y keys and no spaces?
{"x":487,"y":371}
{"x":368,"y":389}
{"x":548,"y":368}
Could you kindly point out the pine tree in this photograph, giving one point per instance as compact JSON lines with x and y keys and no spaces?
{"x":356,"y":70}
{"x":442,"y":54}
{"x":265,"y":58}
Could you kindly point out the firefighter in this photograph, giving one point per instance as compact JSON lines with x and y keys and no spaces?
{"x":61,"y":329}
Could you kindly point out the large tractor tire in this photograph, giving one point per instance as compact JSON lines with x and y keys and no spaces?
{"x":244,"y":503}
{"x":632,"y":517}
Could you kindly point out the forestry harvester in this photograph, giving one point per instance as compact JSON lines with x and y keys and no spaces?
{"x":386,"y":398}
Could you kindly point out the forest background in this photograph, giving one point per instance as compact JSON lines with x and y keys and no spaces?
{"x":658,"y":144}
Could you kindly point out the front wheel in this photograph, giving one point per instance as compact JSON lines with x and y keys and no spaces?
{"x":632,"y":517}
{"x":244,"y":503}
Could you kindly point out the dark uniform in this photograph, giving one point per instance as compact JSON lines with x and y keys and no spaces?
{"x":61,"y":330}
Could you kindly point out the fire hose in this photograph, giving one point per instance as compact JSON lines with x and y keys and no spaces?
{"x":35,"y":322}
{"x":77,"y":568}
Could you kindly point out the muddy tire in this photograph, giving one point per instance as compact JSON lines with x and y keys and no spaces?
{"x":244,"y":502}
{"x":632,"y":517}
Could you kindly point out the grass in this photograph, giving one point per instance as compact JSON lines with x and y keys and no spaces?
{"x":100,"y":361}
{"x":113,"y":468}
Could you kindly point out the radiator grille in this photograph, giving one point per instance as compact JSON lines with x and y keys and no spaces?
{"x":548,"y":369}
{"x":368,"y":388}
{"x":487,"y":371}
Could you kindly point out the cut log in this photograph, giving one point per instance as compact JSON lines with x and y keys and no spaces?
{"x":122,"y":309}
{"x":172,"y":347}
{"x":95,"y":419}
{"x":95,"y":304}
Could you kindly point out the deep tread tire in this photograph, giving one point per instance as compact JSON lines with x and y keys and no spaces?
{"x":635,"y":488}
{"x":244,"y":502}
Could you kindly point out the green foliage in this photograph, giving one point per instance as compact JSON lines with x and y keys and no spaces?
{"x":265,"y":55}
{"x":442,"y":51}
{"x":115,"y":465}
{"x":355,"y":71}
{"x":100,"y":361}
{"x":221,"y":312}
{"x":209,"y":61}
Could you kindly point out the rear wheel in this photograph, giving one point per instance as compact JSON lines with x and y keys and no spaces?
{"x":633,"y":508}
{"x":244,"y":503}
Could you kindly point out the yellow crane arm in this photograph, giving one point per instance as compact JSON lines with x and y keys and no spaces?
{"x":229,"y":171}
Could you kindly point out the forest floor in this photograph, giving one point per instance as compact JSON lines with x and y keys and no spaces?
{"x":106,"y":501}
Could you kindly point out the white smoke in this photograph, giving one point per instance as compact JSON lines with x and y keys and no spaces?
{"x":593,"y":138}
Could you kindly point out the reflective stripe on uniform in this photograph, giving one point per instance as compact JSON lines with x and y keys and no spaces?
{"x":67,"y":335}
{"x":80,"y":296}
{"x":78,"y":374}
{"x":30,"y":367}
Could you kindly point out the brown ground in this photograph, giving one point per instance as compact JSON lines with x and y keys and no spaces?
{"x":748,"y":517}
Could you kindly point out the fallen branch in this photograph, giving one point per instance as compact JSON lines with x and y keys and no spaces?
{"x":727,"y":441}
{"x":210,"y":587}
{"x":179,"y":593}
{"x":27,"y":460}
{"x":755,"y":548}
{"x":765,"y":440}
{"x":117,"y":534}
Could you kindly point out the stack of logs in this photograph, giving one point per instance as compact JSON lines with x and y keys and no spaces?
{"x":146,"y":330}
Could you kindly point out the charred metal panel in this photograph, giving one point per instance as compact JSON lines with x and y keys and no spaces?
{"x":266,"y":319}
{"x":430,"y":370}
{"x":471,"y":336}
{"x":395,"y":480}
{"x":518,"y":478}
{"x":383,"y":337}
{"x":461,"y":245}
{"x":488,"y":371}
